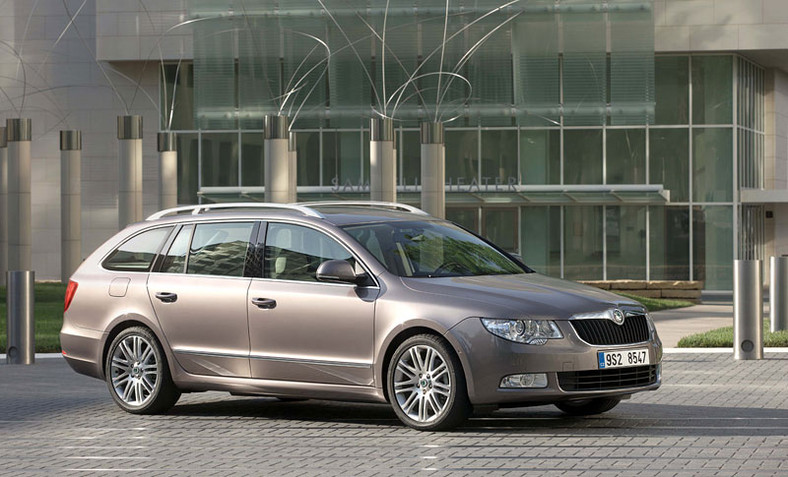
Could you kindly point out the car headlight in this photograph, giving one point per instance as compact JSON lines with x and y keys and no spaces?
{"x":533,"y":332}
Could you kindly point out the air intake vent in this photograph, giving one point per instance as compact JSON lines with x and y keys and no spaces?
{"x":605,"y":332}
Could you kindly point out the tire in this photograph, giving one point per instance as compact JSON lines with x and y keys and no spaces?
{"x":588,"y":407}
{"x":137,"y":374}
{"x":426,"y":385}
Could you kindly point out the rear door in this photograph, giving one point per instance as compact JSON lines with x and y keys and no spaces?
{"x":304,"y":330}
{"x":199,"y":290}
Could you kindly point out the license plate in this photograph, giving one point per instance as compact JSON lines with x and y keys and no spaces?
{"x":622,"y":359}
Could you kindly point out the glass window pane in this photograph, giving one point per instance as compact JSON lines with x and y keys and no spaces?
{"x":468,"y":218}
{"x":500,"y":228}
{"x":342,"y":158}
{"x":671,"y":78}
{"x":669,"y":161}
{"x":293,"y":252}
{"x":583,"y":242}
{"x":626,"y":242}
{"x":499,"y":157}
{"x":308,"y":150}
{"x":188,"y":167}
{"x":626,"y":156}
{"x":219,"y":159}
{"x":712,"y":246}
{"x":712,"y":164}
{"x":712,"y":90}
{"x":669,"y":243}
{"x":540,"y":157}
{"x":583,"y":156}
{"x":252,"y":159}
{"x":220,"y":249}
{"x":462,"y":154}
{"x":540,"y":238}
{"x":410,"y":163}
{"x":175,"y":260}
{"x":137,"y":253}
{"x":177,"y":97}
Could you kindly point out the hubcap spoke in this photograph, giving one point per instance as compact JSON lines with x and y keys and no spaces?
{"x":134,"y":370}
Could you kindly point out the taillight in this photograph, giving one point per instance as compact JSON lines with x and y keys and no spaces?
{"x":71,"y":289}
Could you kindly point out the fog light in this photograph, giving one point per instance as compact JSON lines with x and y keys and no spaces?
{"x":530,"y":380}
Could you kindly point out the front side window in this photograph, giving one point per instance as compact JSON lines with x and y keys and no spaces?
{"x":293,"y":252}
{"x":431,"y":249}
{"x":220,"y":249}
{"x":137,"y":253}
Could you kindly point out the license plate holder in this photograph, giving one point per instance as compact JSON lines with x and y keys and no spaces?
{"x":623,"y":358}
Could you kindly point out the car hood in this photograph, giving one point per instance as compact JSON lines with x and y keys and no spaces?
{"x":528,"y":294}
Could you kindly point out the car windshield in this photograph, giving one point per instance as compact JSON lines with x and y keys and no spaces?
{"x":431,"y":249}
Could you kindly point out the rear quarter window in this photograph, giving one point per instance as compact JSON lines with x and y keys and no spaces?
{"x":137,"y":253}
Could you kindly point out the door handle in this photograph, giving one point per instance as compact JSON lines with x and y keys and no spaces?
{"x":167,"y":297}
{"x":264,"y":303}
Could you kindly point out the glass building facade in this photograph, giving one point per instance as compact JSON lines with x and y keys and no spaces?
{"x":567,"y":139}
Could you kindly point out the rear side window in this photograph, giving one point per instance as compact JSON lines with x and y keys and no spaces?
{"x":137,"y":253}
{"x":220,"y":249}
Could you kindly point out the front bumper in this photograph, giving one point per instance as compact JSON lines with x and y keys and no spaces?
{"x":487,"y":359}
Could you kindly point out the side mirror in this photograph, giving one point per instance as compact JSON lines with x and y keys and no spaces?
{"x":337,"y":271}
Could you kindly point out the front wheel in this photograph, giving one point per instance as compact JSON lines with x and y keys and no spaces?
{"x":426,"y":385}
{"x":587,"y":407}
{"x":137,"y":374}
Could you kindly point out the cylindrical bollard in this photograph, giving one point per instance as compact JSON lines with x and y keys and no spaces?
{"x":20,"y":298}
{"x":778,"y":294}
{"x":20,"y":238}
{"x":129,"y":170}
{"x":70,"y":203}
{"x":748,"y":309}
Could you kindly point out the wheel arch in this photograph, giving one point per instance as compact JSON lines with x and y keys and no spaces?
{"x":129,"y":321}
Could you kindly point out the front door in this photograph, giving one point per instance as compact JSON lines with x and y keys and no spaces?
{"x":199,"y":294}
{"x":304,"y":330}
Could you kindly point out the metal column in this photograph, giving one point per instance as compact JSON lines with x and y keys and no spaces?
{"x":129,"y":170}
{"x":277,"y":159}
{"x":382,"y":160}
{"x":18,"y":136}
{"x":778,"y":294}
{"x":20,"y":299}
{"x":433,"y":170}
{"x":70,"y":203}
{"x":3,"y":207}
{"x":168,"y":170}
{"x":748,"y":309}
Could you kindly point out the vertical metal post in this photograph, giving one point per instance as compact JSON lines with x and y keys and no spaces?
{"x":70,"y":203}
{"x":18,"y":136}
{"x":168,"y":170}
{"x":748,"y":309}
{"x":382,"y":160}
{"x":433,"y":170}
{"x":3,"y":207}
{"x":778,"y":294}
{"x":20,"y":298}
{"x":277,"y":159}
{"x":129,"y":170}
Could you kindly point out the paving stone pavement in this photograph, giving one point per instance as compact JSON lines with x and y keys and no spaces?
{"x":712,"y":416}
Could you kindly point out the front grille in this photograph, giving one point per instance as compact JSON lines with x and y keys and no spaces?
{"x":607,"y":332}
{"x":604,"y":379}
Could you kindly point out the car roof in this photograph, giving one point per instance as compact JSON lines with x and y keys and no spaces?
{"x":335,"y":213}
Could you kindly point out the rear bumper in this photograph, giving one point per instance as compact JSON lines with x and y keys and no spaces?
{"x":82,"y":349}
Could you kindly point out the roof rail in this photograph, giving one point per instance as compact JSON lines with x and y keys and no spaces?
{"x":366,"y":203}
{"x":198,"y":209}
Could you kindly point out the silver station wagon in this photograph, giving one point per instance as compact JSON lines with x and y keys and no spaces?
{"x":356,"y":301}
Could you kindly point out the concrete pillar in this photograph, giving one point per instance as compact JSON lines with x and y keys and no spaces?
{"x":433,"y":170}
{"x":277,"y":160}
{"x":3,"y":207}
{"x":129,"y":170}
{"x":168,"y":170}
{"x":382,"y":160}
{"x":18,"y":135}
{"x":292,"y":151}
{"x":70,"y":203}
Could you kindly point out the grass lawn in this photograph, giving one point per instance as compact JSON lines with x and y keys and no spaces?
{"x":723,"y":338}
{"x":49,"y":316}
{"x":657,"y":304}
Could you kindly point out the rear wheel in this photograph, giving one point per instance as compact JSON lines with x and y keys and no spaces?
{"x":137,"y":373}
{"x":426,"y":385}
{"x":587,"y":407}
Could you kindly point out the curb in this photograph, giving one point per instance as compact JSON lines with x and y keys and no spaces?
{"x":38,"y":356}
{"x":715,"y":350}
